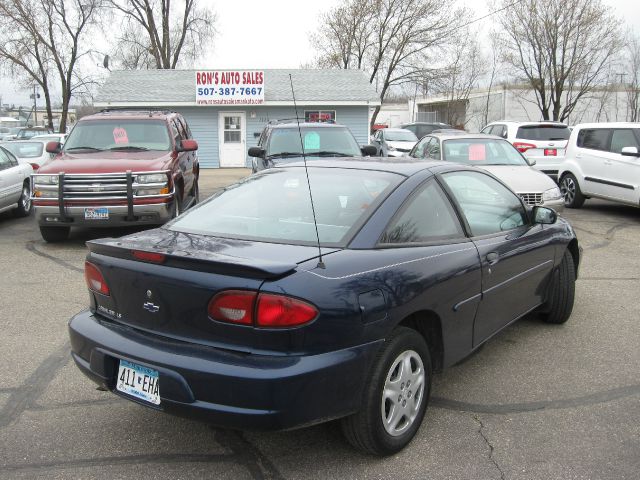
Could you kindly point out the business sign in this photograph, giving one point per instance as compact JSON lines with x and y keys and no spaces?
{"x":229,"y":87}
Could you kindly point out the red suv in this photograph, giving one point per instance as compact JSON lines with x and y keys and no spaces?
{"x":117,"y":168}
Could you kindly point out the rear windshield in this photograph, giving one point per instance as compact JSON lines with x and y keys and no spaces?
{"x":477,"y":151}
{"x":544,"y":132}
{"x":119,"y":135}
{"x":274,"y":206}
{"x":332,"y":140}
{"x":25,"y":149}
{"x":400,"y":136}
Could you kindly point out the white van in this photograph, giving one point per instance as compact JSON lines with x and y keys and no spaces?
{"x":603,"y":161}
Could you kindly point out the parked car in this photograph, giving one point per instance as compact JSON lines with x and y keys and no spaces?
{"x":393,"y":142}
{"x":229,"y":314}
{"x":420,"y":129}
{"x":497,"y":156}
{"x":280,"y":142}
{"x":52,"y":137}
{"x":15,"y":188}
{"x":117,"y":168}
{"x":8,"y":133}
{"x":602,"y":161}
{"x":545,"y":142}
{"x":29,"y":132}
{"x":32,"y":151}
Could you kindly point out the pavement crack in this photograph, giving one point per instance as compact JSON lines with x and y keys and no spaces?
{"x":489,"y":444}
{"x":30,"y":245}
{"x":259,"y":466}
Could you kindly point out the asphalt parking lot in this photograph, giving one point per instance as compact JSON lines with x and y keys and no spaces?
{"x":537,"y":402}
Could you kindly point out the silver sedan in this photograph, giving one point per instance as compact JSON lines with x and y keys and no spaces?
{"x":15,"y":186}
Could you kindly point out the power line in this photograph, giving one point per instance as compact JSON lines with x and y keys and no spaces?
{"x":490,"y":14}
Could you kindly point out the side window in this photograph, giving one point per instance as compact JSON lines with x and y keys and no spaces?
{"x":594,"y":138}
{"x":420,"y":151}
{"x":433,"y":149}
{"x":488,"y":206}
{"x":426,"y":217}
{"x":4,"y":160}
{"x":487,"y":129}
{"x":621,"y":139}
{"x":183,"y":128}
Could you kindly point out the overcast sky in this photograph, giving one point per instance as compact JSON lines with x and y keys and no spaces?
{"x":274,"y":34}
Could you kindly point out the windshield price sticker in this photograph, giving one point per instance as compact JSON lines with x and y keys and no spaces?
{"x":120,"y":135}
{"x":312,"y":141}
{"x":229,"y":87}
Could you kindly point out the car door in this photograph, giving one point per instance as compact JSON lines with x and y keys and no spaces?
{"x":516,"y":256}
{"x":592,"y":147}
{"x":11,"y":179}
{"x":622,"y":173}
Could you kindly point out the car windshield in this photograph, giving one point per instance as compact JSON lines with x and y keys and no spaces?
{"x":122,"y":134}
{"x":400,"y":136}
{"x":274,"y":206}
{"x":544,"y":132}
{"x":25,"y":149}
{"x":318,"y":141}
{"x":480,"y":151}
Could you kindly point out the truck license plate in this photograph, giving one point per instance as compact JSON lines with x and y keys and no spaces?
{"x":138,"y":381}
{"x":96,"y":213}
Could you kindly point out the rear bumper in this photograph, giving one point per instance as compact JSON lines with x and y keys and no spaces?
{"x":225,"y":388}
{"x":152,"y":214}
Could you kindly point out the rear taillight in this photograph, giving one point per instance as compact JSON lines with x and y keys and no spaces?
{"x":95,"y":280}
{"x":260,"y":310}
{"x":523,"y":147}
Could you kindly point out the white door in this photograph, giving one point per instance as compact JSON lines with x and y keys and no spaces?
{"x":231,"y":134}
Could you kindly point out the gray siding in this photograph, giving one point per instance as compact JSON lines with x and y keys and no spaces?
{"x":203,"y":122}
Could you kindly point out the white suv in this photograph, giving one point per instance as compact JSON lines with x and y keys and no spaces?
{"x":544,"y":142}
{"x":603,"y":161}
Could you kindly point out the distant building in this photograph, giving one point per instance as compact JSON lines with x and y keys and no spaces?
{"x":228,"y":109}
{"x":517,"y":103}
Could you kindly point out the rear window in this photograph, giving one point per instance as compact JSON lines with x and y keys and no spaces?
{"x":544,"y":132}
{"x":275,"y":207}
{"x":400,"y":136}
{"x":478,"y":151}
{"x":121,"y":134}
{"x":25,"y":149}
{"x":336,"y":140}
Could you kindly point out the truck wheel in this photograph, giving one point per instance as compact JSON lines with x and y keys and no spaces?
{"x":570,"y":189}
{"x":561,"y":291}
{"x":54,"y":234}
{"x":395,"y":396}
{"x":24,"y":203}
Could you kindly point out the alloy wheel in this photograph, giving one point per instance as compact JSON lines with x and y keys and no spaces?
{"x":568,"y":190}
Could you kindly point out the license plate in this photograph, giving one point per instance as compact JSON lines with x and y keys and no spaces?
{"x":138,"y":381}
{"x":550,"y":152}
{"x":96,"y":213}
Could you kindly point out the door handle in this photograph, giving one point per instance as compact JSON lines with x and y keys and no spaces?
{"x":492,"y":258}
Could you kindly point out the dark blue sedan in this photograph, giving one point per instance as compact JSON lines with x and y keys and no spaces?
{"x":247,"y":313}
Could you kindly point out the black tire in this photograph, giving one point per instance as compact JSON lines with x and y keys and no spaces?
{"x":561,"y":291}
{"x":24,"y":203}
{"x":54,"y":234}
{"x":573,"y":197}
{"x":365,"y":430}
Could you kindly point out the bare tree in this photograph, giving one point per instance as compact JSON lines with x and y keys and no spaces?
{"x":460,"y":76}
{"x":53,"y":37}
{"x":561,"y":48}
{"x":632,"y":66}
{"x":161,"y":34}
{"x":389,"y":39}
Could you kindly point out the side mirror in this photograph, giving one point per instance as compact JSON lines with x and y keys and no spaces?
{"x":53,"y":147}
{"x":544,"y":215}
{"x":369,"y":150}
{"x":630,"y":152}
{"x":187,"y":146}
{"x":530,"y":161}
{"x":256,"y":152}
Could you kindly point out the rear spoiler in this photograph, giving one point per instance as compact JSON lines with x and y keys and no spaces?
{"x":195,"y":259}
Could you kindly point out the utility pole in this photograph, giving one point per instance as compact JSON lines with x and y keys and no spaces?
{"x":35,"y":97}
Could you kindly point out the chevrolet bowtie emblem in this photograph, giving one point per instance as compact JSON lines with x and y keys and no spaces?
{"x":150,"y":307}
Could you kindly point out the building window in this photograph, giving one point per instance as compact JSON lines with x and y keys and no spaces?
{"x":319,"y":115}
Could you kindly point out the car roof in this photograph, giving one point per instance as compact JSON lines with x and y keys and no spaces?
{"x":294,"y":124}
{"x":395,"y":130}
{"x":405,"y":166}
{"x":136,"y":114}
{"x":527,"y":123}
{"x":427,"y":123}
{"x":608,"y":125}
{"x":462,"y":136}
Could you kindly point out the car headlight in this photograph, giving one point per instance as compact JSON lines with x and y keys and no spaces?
{"x":151,"y":178}
{"x":45,"y":179}
{"x":552,"y":194}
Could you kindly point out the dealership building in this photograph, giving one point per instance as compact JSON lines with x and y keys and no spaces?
{"x":227,"y":109}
